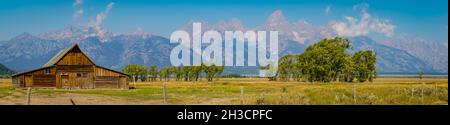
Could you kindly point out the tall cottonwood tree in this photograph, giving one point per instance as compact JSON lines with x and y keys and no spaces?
{"x":136,"y":71}
{"x":327,"y":61}
{"x":153,"y":72}
{"x":365,"y":67}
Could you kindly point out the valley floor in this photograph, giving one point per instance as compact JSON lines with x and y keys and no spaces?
{"x":256,"y":91}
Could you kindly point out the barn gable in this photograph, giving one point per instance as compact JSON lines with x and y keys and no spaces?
{"x":66,"y":57}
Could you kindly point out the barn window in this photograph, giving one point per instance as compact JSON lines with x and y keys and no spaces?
{"x":47,"y":71}
{"x":85,"y":75}
{"x":82,"y":75}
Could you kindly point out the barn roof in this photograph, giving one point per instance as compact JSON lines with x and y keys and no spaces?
{"x":112,"y":70}
{"x":20,"y":73}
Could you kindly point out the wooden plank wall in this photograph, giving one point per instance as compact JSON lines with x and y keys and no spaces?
{"x":106,"y":82}
{"x":76,"y":82}
{"x":74,"y":68}
{"x":28,"y":81}
{"x":15,"y":82}
{"x":44,"y":81}
{"x":40,"y":79}
{"x":22,"y":81}
{"x":105,"y":78}
{"x":123,"y":82}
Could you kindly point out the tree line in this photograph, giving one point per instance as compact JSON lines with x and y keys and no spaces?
{"x":181,"y":73}
{"x":327,"y":61}
{"x":5,"y":76}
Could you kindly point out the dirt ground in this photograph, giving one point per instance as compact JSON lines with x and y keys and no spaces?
{"x":19,"y":98}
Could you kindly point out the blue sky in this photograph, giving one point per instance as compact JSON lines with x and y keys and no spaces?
{"x":424,"y":18}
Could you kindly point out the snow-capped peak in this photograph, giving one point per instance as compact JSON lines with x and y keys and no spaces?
{"x":68,"y":32}
{"x":141,"y":32}
{"x":276,"y":19}
{"x":232,"y":25}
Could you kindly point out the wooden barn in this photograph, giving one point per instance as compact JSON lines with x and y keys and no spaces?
{"x":71,"y":69}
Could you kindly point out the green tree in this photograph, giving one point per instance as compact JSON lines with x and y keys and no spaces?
{"x":187,"y":73}
{"x":167,"y":72}
{"x":270,"y":74}
{"x":179,"y":73}
{"x":421,"y":75}
{"x":365,"y":65}
{"x":153,"y":72}
{"x":219,"y":72}
{"x":136,"y":71}
{"x":213,"y":71}
{"x":286,"y":67}
{"x":348,"y":71}
{"x":325,"y":60}
{"x":197,"y":72}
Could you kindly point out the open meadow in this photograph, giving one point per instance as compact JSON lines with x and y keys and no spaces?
{"x":256,"y":91}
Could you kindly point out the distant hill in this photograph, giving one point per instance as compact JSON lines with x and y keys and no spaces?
{"x":5,"y":71}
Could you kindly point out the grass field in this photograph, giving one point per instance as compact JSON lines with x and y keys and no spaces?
{"x":257,"y":91}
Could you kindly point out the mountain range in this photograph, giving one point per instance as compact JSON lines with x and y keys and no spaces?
{"x":397,"y":55}
{"x":4,"y":70}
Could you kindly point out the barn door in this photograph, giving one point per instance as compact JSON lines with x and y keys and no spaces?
{"x":28,"y":81}
{"x":65,"y":81}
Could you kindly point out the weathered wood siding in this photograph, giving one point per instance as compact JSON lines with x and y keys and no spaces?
{"x":41,"y":78}
{"x":75,"y":58}
{"x":106,"y":82}
{"x":44,"y":81}
{"x":15,"y":82}
{"x":75,"y":68}
{"x":105,"y":78}
{"x":76,"y":80}
{"x":28,"y":81}
{"x":38,"y":78}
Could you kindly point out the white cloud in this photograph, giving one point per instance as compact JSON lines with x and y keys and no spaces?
{"x":363,"y":7}
{"x":328,"y":9}
{"x":78,"y":9}
{"x":78,"y":14}
{"x":78,"y":3}
{"x":298,"y":38}
{"x":366,"y":24}
{"x":383,"y":26}
{"x":102,"y":15}
{"x":97,"y":22}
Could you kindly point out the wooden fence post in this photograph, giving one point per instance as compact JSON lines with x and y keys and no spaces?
{"x":436,"y":88}
{"x":422,"y":91}
{"x":73,"y":102}
{"x":354,"y":93}
{"x":28,"y":95}
{"x":134,"y":82}
{"x":164,"y":92}
{"x":242,"y":94}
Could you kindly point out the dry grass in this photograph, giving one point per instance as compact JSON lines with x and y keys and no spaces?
{"x":257,"y":91}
